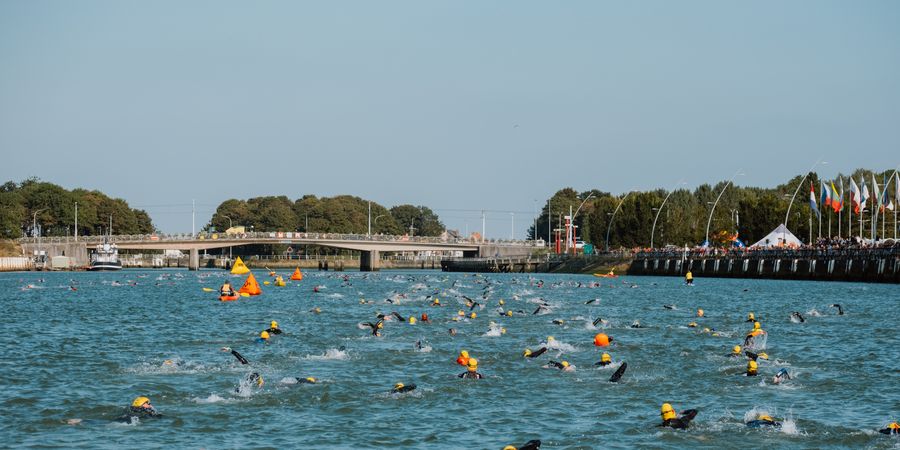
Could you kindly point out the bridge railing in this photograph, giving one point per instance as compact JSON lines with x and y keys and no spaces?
{"x":274,"y":237}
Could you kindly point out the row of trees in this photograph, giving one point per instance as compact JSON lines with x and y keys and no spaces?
{"x":340,"y":214}
{"x":55,"y":208}
{"x":751,"y":212}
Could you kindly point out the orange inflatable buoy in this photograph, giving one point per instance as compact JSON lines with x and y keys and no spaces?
{"x":229,"y":298}
{"x":297,"y":275}
{"x":601,"y":340}
{"x":250,"y":286}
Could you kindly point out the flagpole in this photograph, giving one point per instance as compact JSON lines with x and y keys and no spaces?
{"x":840,"y":211}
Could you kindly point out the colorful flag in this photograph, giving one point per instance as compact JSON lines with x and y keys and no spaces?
{"x":864,"y":195}
{"x":877,"y":202}
{"x":823,"y":188}
{"x":837,"y":203}
{"x":884,"y":194}
{"x":812,"y":199}
{"x":827,"y":192}
{"x":855,"y":197}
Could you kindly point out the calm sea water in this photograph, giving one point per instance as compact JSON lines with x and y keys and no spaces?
{"x":87,"y":353}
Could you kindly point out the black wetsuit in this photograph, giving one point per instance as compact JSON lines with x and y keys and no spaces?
{"x":537,"y":353}
{"x":403,"y":389}
{"x":472,"y":375}
{"x":240,"y":357}
{"x":840,"y":309}
{"x":798,"y":316}
{"x":682,"y":422}
{"x":890,"y":431}
{"x":602,"y":363}
{"x":763,"y":423}
{"x":138,"y":413}
{"x":304,"y":381}
{"x":274,"y":330}
{"x":534,"y":444}
{"x":374,"y":327}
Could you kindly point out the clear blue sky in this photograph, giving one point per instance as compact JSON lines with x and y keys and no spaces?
{"x":454,"y":105}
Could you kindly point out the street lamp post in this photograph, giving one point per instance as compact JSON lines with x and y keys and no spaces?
{"x":574,"y":244}
{"x":34,"y":228}
{"x":512,"y":225}
{"x":711,"y":211}
{"x":375,"y":222}
{"x":791,"y":203}
{"x":609,"y":226}
{"x":659,"y":210}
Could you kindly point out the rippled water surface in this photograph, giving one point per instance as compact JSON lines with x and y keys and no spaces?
{"x":87,"y":353}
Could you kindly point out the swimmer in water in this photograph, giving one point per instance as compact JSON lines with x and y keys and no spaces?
{"x":307,"y":380}
{"x":636,"y":324}
{"x":471,"y":370}
{"x":273,"y":328}
{"x":750,"y":318}
{"x":539,"y":309}
{"x":398,"y":316}
{"x":735,"y":352}
{"x":839,"y":308}
{"x":452,"y":331}
{"x":669,"y":306}
{"x":752,"y":368}
{"x":598,"y":320}
{"x":782,"y":375}
{"x":558,"y":322}
{"x":140,"y":409}
{"x":236,"y":355}
{"x":893,"y":429}
{"x":463,"y":358}
{"x":401,"y":388}
{"x":764,"y":420}
{"x":605,"y":360}
{"x":757,"y":330}
{"x":534,"y":354}
{"x":375,"y":327}
{"x":425,"y":318}
{"x":563,"y":366}
{"x":670,"y":418}
{"x":797,"y":316}
{"x":253,"y":378}
{"x":591,"y":301}
{"x":534,"y":444}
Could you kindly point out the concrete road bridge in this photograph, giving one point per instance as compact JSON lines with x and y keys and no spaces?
{"x":370,"y":246}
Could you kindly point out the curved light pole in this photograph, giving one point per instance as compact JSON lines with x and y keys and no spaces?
{"x":711,"y":211}
{"x":609,"y":227}
{"x":791,"y":203}
{"x":659,"y":210}
{"x":573,"y":218}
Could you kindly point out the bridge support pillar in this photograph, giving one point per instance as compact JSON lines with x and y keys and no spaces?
{"x":194,"y":260}
{"x":368,"y":261}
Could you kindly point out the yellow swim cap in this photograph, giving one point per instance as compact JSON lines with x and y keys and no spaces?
{"x":565,"y":364}
{"x":751,"y":316}
{"x":605,"y":357}
{"x":527,"y":352}
{"x":752,"y":366}
{"x":501,"y":302}
{"x":473,"y":315}
{"x":264,"y":335}
{"x":549,"y":338}
{"x":756,"y":326}
{"x":380,"y":324}
{"x":140,"y":401}
{"x":311,"y":379}
{"x":259,"y":381}
{"x":894,"y":426}
{"x":412,"y":320}
{"x":437,"y":302}
{"x":398,"y":386}
{"x":763,"y":355}
{"x":509,"y":447}
{"x":274,"y":324}
{"x":473,"y":363}
{"x":509,"y":313}
{"x":736,"y":349}
{"x":692,"y":325}
{"x":464,"y":354}
{"x":667,"y":412}
{"x":766,"y":417}
{"x":461,"y":313}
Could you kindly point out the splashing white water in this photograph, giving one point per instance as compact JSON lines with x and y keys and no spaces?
{"x":331,"y":353}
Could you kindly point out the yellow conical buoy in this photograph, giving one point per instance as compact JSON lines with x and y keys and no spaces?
{"x":239,"y":268}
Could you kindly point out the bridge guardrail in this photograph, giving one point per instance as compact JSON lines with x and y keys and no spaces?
{"x":274,"y":236}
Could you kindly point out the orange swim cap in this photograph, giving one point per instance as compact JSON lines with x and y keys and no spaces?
{"x":601,"y":340}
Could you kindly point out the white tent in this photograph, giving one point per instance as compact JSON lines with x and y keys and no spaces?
{"x":779,"y":237}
